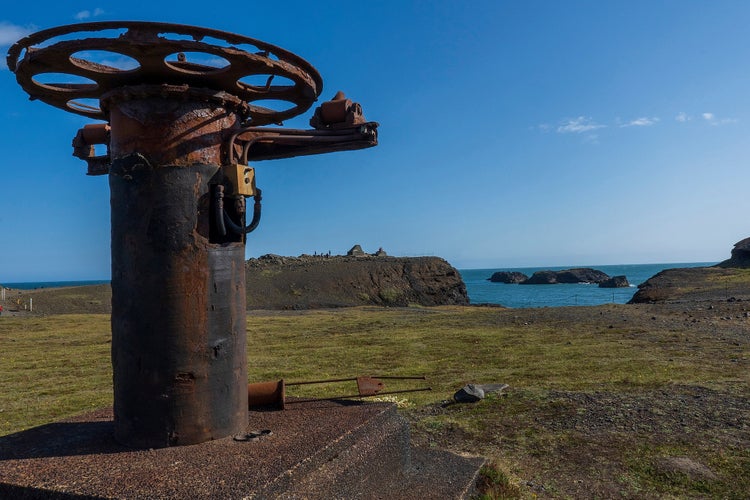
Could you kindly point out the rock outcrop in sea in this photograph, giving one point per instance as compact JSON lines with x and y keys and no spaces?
{"x":575,"y":275}
{"x":615,"y":282}
{"x":507,"y":277}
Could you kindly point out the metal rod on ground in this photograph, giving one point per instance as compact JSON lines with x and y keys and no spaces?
{"x":273,"y":393}
{"x":351,"y":379}
{"x":353,"y":396}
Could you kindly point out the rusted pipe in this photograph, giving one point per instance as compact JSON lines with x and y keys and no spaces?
{"x":270,"y":394}
{"x":178,"y":296}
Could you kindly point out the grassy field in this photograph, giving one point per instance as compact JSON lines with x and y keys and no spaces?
{"x":613,"y":401}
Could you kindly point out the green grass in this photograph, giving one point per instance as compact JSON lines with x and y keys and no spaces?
{"x":454,"y":345}
{"x":52,"y":367}
{"x":56,"y":366}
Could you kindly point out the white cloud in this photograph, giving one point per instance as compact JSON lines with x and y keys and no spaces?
{"x":10,"y":33}
{"x":713,"y":120}
{"x":641,"y":122}
{"x":683,"y":117}
{"x":85,"y":14}
{"x":591,"y":139}
{"x":578,"y":125}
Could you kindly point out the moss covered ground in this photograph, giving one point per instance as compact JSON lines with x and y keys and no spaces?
{"x":635,"y":401}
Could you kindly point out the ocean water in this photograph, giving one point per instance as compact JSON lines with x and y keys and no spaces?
{"x":32,"y":285}
{"x":512,"y":295}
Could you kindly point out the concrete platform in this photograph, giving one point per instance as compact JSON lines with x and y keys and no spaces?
{"x":314,"y":450}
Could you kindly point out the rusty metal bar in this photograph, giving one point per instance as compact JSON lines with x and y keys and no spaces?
{"x":354,"y":396}
{"x":273,"y":393}
{"x":353,"y":379}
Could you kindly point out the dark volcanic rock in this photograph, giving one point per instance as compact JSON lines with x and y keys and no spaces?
{"x":615,"y":282}
{"x":576,"y":275}
{"x":541,"y":278}
{"x":581,"y":275}
{"x":507,"y":277}
{"x":469,"y":393}
{"x":340,"y":281}
{"x":740,"y":255}
{"x":727,"y":280}
{"x":694,"y":284}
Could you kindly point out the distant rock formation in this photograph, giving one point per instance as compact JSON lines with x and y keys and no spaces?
{"x":615,"y":282}
{"x":740,"y":255}
{"x":507,"y":277}
{"x":575,"y":275}
{"x":309,"y":282}
{"x":541,"y":278}
{"x":356,"y":251}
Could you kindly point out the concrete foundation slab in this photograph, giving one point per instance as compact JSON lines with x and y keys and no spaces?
{"x":313,"y":450}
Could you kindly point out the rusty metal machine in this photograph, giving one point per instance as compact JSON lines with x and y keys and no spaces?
{"x":184,"y":111}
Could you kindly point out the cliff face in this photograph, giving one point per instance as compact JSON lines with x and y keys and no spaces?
{"x":728,"y":280}
{"x":308,"y":282}
{"x":694,"y":284}
{"x":740,"y":256}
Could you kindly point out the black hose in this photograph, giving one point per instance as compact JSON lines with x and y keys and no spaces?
{"x":238,"y":229}
{"x":256,"y":212}
{"x":219,"y":209}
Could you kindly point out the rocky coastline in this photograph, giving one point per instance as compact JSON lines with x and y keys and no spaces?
{"x":321,"y":281}
{"x":728,"y":280}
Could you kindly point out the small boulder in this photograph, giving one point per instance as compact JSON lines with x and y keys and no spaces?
{"x":469,"y":393}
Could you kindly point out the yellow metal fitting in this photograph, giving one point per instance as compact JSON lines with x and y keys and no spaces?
{"x":241,"y":178}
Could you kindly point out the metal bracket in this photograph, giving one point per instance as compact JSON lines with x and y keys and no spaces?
{"x":83,"y":147}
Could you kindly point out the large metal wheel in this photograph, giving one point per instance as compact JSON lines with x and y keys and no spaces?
{"x":72,"y":67}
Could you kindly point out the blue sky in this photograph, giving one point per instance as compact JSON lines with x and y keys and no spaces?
{"x":537,"y":133}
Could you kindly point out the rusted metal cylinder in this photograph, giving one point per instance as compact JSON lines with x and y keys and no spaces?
{"x":178,"y":298}
{"x":266,"y":394}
